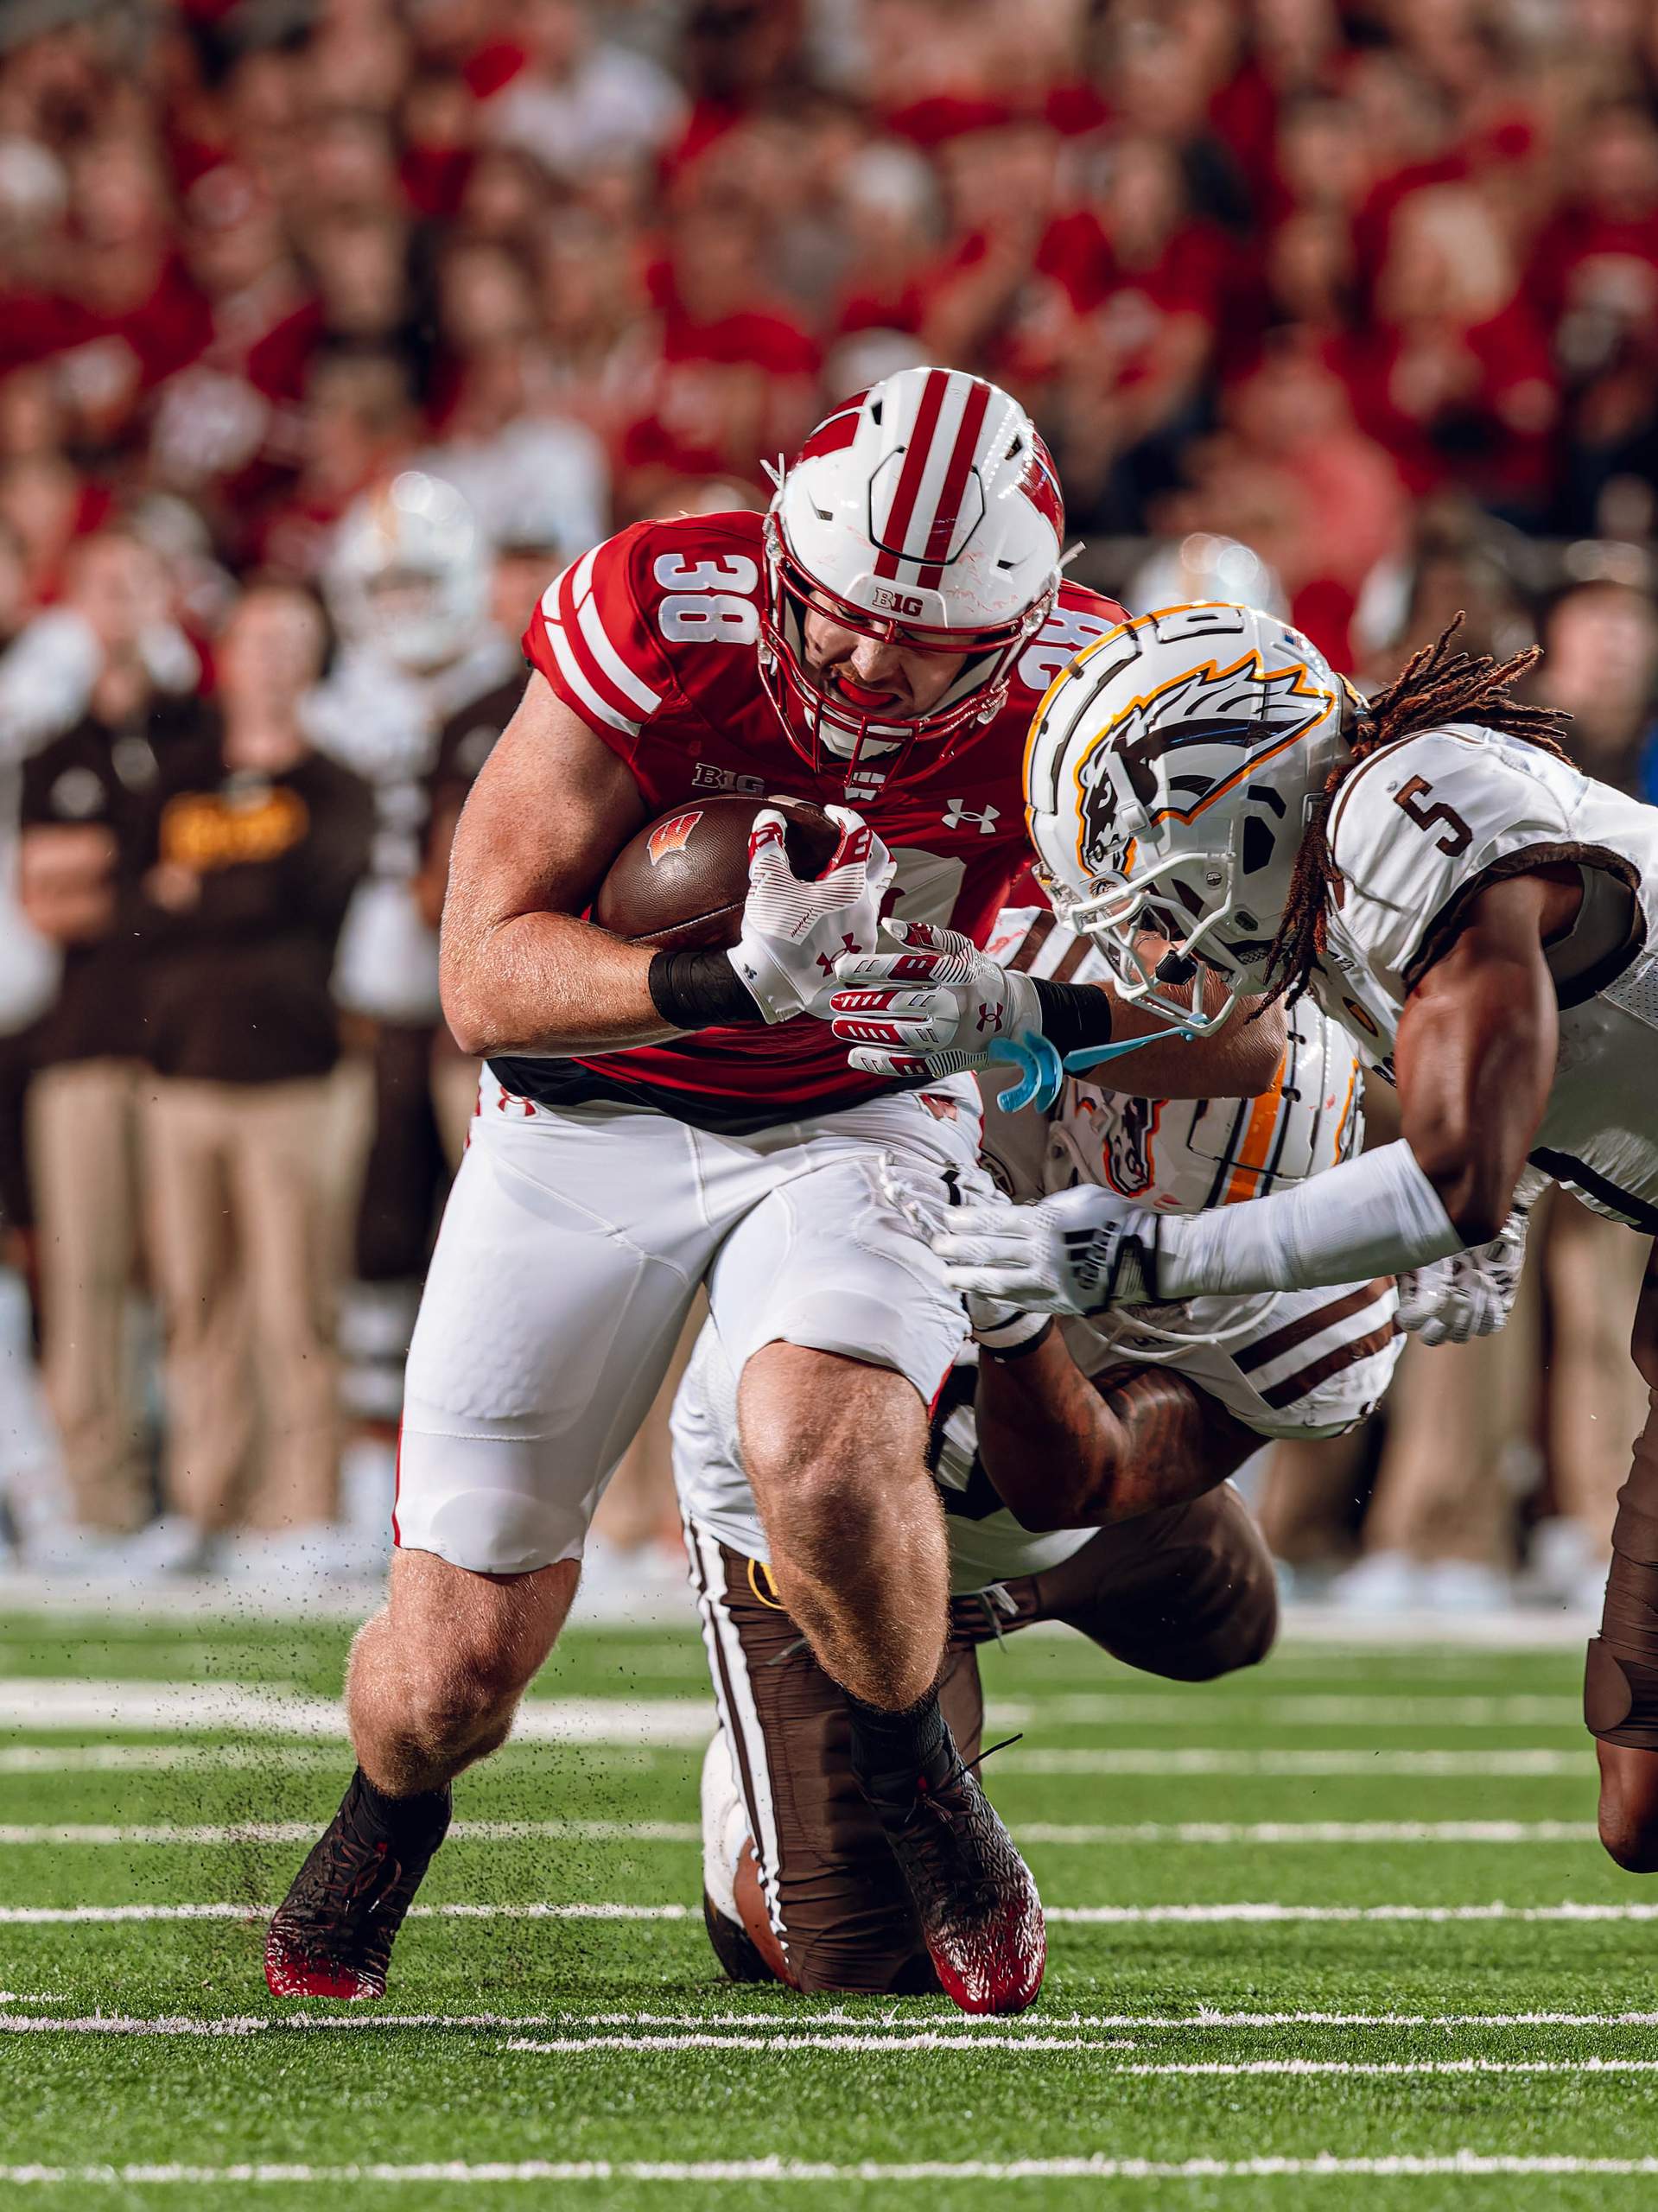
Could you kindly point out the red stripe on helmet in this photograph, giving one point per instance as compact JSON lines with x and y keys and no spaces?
{"x":896,"y":531}
{"x":942,"y":529}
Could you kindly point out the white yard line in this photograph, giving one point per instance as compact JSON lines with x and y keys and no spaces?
{"x":1516,"y":1764}
{"x":244,"y":1709}
{"x":262,"y":1756}
{"x":206,"y":1834}
{"x":1197,"y":2069}
{"x":32,"y":1915}
{"x":1519,"y":1765}
{"x":463,"y":2173}
{"x":53,"y":1703}
{"x":1121,"y":1916}
{"x":796,"y":2020}
{"x":1261,"y":1708}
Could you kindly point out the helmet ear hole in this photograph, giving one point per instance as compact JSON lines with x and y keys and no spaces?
{"x":1259,"y":844}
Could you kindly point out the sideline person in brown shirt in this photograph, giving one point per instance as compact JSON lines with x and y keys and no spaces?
{"x":87,"y":811}
{"x":259,"y":842}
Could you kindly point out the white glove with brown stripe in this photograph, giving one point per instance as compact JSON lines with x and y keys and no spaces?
{"x":1472,"y":1293}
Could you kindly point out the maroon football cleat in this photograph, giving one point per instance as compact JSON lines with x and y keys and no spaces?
{"x":974,"y":1897}
{"x":332,"y":1934}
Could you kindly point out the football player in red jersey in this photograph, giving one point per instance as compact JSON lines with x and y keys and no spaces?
{"x":649,"y":1121}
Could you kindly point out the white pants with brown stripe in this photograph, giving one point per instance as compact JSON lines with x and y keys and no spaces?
{"x":1188,"y":1593}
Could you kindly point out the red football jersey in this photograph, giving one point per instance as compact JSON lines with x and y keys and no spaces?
{"x":651,"y":638}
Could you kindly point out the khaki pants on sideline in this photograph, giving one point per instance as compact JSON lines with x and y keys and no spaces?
{"x":1307,"y":1495}
{"x":1597,"y":1399}
{"x":1453,"y":1414}
{"x":82,"y":1121}
{"x":245,"y":1259}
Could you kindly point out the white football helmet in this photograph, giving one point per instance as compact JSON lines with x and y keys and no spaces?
{"x":926,"y":509}
{"x":1172,"y":768}
{"x":1179,"y":1156}
{"x":408,"y":574}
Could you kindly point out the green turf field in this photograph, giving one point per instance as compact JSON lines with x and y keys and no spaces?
{"x":1272,"y":1939}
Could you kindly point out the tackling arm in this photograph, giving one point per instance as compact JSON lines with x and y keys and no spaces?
{"x":1477,"y":1049}
{"x":1063,"y":1452}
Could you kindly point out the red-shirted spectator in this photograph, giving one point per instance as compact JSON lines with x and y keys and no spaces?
{"x":731,"y":384}
{"x":226,"y":412}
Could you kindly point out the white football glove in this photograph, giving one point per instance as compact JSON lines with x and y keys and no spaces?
{"x":1472,"y":1293}
{"x":998,"y":1328}
{"x":935,"y":1007}
{"x":1076,"y":1252}
{"x":794,"y":930}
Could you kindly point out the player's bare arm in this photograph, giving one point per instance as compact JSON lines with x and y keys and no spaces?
{"x":1066,"y":1452}
{"x":1477,"y":1049}
{"x":521,"y":971}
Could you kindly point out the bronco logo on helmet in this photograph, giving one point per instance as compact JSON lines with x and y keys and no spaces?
{"x":1260,"y":711}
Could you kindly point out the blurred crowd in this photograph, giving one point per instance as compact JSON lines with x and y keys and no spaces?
{"x":330,"y":329}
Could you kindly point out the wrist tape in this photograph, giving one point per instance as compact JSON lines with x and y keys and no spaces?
{"x":1074,"y":1015}
{"x":700,"y":989}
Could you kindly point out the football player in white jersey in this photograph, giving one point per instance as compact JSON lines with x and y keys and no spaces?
{"x":1483,"y":918}
{"x":1082,"y":1477}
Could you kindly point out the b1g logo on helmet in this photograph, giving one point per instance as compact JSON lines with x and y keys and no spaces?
{"x":886,"y":601}
{"x":672,"y":836}
{"x":1229,"y":721}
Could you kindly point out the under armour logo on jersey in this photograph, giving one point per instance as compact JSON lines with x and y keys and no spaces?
{"x":959,"y":814}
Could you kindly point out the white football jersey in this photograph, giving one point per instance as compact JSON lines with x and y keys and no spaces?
{"x":1417,"y":830}
{"x":1307,"y":1363}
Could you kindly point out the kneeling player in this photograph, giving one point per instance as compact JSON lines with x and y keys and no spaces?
{"x":1083,"y":1478}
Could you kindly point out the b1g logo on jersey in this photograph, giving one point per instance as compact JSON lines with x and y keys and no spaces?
{"x":884,"y":600}
{"x":671,"y":836}
{"x":708,"y":776}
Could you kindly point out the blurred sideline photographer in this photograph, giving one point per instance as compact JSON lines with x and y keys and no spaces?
{"x":259,"y":844}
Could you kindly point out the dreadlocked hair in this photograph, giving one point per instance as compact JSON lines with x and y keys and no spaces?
{"x":1438,"y":684}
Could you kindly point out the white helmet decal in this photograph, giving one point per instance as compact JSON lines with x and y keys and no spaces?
{"x":1253,"y":711}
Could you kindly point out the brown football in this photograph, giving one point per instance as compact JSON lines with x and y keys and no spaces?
{"x":683,"y":878}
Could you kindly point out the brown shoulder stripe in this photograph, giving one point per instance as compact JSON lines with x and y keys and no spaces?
{"x":1035,"y":938}
{"x":1076,"y":953}
{"x":1342,"y":1356}
{"x":1267,"y":1348}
